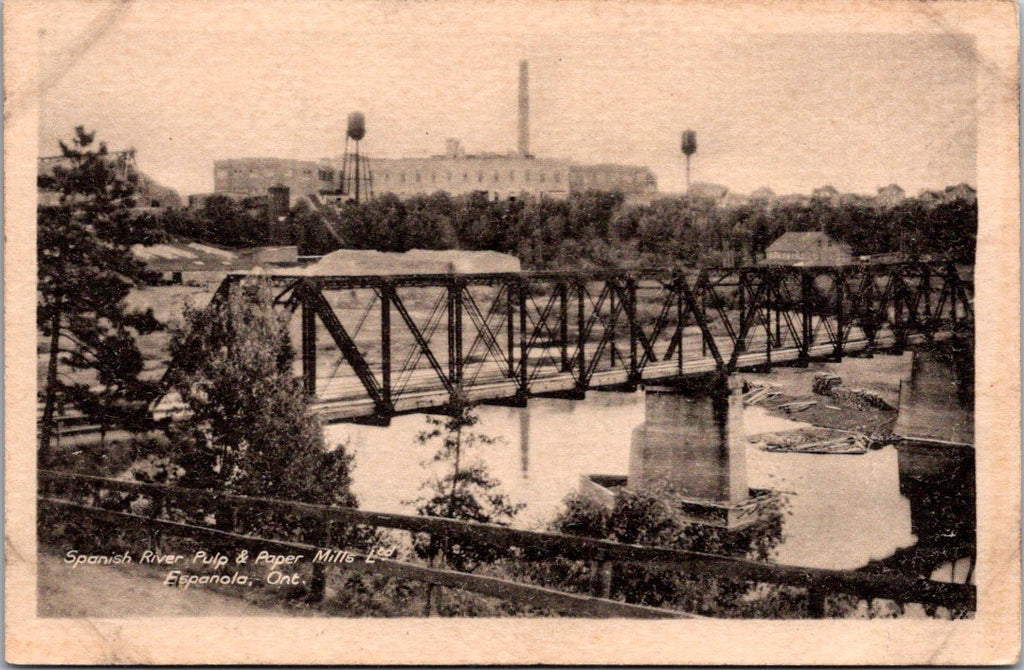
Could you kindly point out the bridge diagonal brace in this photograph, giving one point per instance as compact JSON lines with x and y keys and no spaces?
{"x":314,"y":299}
{"x":585,"y":326}
{"x":784,"y":298}
{"x":659,"y":325}
{"x":608,"y":332}
{"x":702,"y":321}
{"x":482,"y":323}
{"x":747,"y":319}
{"x":421,"y":342}
{"x":627,"y":299}
{"x":716,"y":303}
{"x":539,"y":325}
{"x":292,"y":301}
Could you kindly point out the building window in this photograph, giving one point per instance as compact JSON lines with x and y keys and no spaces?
{"x":543,"y":177}
{"x":511,"y":175}
{"x":417,"y":177}
{"x":401,"y":178}
{"x":480,"y":177}
{"x":558,"y":177}
{"x":387,"y":176}
{"x":497,"y":176}
{"x":433,"y":177}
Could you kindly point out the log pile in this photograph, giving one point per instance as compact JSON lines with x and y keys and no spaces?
{"x":861,"y":399}
{"x":828,"y":384}
{"x":844,"y":444}
{"x":825,"y":382}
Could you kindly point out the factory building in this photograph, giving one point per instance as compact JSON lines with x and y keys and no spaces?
{"x":631,"y":180}
{"x":500,"y":175}
{"x":457,"y":173}
{"x":245,"y":177}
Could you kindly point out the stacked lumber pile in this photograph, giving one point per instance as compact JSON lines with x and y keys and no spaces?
{"x":759,"y":394}
{"x":797,"y":406}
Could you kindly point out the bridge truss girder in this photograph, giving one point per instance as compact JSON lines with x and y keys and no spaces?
{"x":561,"y":334}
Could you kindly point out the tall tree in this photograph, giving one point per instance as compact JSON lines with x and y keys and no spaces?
{"x":251,"y":429}
{"x":86,"y":271}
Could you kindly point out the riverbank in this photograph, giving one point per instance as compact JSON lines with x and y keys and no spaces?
{"x":796,"y":400}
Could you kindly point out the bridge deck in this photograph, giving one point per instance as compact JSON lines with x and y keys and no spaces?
{"x":345,"y":400}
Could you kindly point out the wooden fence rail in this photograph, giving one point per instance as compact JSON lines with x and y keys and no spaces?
{"x":521,"y":594}
{"x":541,"y":545}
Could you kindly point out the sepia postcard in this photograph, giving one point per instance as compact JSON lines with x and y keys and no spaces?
{"x":522,"y":332}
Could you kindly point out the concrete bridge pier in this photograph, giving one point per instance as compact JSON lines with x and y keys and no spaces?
{"x":937,"y":402}
{"x":692,"y":447}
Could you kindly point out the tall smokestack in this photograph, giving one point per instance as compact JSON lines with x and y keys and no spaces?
{"x":524,"y":109}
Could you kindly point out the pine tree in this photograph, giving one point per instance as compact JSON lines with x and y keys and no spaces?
{"x":86,"y":271}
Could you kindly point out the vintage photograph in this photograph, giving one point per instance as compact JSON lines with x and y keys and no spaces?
{"x":366,"y":311}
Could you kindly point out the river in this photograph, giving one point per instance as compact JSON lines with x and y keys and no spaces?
{"x":842,"y":510}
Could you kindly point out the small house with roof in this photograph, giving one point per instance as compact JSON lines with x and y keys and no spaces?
{"x":813,"y":248}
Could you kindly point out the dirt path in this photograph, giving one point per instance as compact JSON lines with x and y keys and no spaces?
{"x":125,"y":591}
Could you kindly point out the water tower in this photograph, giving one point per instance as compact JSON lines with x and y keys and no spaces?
{"x":689,"y":147}
{"x":356,"y":178}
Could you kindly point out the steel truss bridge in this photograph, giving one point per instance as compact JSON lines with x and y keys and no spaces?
{"x":372,"y":347}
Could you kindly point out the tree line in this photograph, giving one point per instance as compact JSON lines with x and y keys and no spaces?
{"x":594,"y":228}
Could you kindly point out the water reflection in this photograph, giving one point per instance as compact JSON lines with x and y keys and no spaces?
{"x":844,"y":511}
{"x":524,"y":442}
{"x":939,"y":482}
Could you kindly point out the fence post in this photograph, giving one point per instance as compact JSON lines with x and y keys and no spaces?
{"x":815,"y":603}
{"x":605,"y":569}
{"x":431,"y":604}
{"x":153,"y":535}
{"x":318,"y":581}
{"x":601,"y":577}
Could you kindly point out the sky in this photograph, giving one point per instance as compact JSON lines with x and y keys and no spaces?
{"x":788,"y":111}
